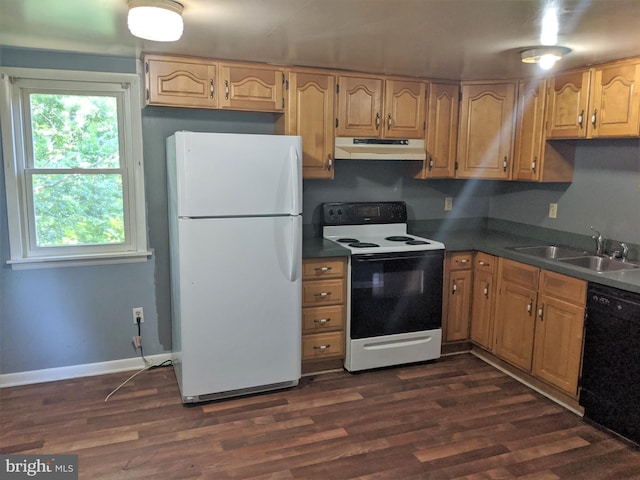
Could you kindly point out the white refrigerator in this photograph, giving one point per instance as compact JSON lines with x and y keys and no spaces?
{"x":235,"y":231}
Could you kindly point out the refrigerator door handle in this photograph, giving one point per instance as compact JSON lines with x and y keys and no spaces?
{"x":296,"y":255}
{"x":295,"y":181}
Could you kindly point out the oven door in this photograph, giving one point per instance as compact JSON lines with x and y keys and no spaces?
{"x":396,"y":293}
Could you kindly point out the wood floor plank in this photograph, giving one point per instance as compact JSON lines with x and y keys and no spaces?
{"x":455,"y":418}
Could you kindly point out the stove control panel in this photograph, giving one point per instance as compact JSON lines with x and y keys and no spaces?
{"x":362,"y":213}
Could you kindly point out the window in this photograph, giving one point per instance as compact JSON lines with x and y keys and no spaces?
{"x":76,"y":192}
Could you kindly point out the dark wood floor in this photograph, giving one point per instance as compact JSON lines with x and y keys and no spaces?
{"x":455,"y":418}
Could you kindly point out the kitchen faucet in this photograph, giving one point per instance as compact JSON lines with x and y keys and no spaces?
{"x":599,"y":241}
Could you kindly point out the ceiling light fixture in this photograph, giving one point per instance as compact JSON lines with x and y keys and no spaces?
{"x":157,"y":20}
{"x":546,"y":57}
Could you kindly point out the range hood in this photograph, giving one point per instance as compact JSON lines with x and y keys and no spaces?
{"x":379,"y":149}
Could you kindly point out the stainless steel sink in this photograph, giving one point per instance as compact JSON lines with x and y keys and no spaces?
{"x":550,"y":251}
{"x":598,"y":264}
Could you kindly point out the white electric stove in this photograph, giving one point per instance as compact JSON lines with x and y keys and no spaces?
{"x":394,"y":293}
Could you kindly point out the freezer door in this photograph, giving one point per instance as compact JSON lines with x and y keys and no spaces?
{"x":240,"y":297}
{"x":219,"y":174}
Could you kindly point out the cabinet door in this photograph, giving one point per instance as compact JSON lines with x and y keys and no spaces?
{"x":249,"y":87}
{"x":515,"y":310}
{"x":483,"y":300}
{"x":615,"y":101}
{"x":442,"y":129}
{"x":558,"y":343}
{"x":180,"y":81}
{"x":567,"y":104}
{"x":514,"y":325}
{"x":359,"y":106}
{"x":529,"y":142}
{"x":458,"y":306}
{"x":404,"y":109}
{"x":311,"y":114}
{"x":487,"y":126}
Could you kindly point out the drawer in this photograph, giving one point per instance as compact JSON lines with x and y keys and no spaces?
{"x":460,"y":260}
{"x":568,"y":289}
{"x":485,"y":262}
{"x":322,"y":319}
{"x":313,"y":268}
{"x":323,"y":345}
{"x":519,"y":273}
{"x":322,"y":292}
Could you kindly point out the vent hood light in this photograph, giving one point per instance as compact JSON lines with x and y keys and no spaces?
{"x":379,"y":149}
{"x":545,"y":57}
{"x":157,"y":20}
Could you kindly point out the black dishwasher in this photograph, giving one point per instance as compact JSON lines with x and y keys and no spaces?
{"x":610,"y":385}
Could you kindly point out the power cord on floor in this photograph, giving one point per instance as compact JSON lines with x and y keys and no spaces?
{"x":137,"y":342}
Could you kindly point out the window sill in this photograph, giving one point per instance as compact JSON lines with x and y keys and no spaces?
{"x":78,"y":260}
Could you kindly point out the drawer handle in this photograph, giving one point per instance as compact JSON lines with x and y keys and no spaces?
{"x":322,"y":321}
{"x":530,"y":307}
{"x":323,"y":269}
{"x":322,"y":294}
{"x":483,"y":264}
{"x":322,"y":348}
{"x":486,"y":291}
{"x":541,"y":312}
{"x":464,"y":260}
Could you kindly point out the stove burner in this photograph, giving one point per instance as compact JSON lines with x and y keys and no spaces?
{"x":348,"y":240}
{"x":398,"y":238}
{"x":417,"y":242}
{"x":363,"y":245}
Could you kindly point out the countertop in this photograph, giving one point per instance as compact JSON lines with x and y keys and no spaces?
{"x":493,"y":242}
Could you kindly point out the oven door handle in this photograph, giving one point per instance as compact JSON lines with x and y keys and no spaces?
{"x":377,"y":257}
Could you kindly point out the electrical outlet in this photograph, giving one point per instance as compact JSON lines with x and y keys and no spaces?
{"x":553,"y":210}
{"x":138,"y":313}
{"x":448,"y":204}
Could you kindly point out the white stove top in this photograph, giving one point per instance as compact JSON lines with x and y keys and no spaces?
{"x":378,"y":235}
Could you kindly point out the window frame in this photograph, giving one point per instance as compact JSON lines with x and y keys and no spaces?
{"x":16,"y":84}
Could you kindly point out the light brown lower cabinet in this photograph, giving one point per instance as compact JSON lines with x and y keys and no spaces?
{"x":559,"y":330}
{"x":539,"y":320}
{"x":456,"y":305}
{"x":483,"y":299}
{"x":323,"y":311}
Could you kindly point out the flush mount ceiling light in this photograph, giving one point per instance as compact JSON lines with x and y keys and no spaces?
{"x":157,"y":20}
{"x":545,"y":56}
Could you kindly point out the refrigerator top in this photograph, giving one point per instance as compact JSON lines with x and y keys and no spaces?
{"x":234,"y":175}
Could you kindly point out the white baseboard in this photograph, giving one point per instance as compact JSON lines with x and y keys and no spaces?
{"x":76,"y":371}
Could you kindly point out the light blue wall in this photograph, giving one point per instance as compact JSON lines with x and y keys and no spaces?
{"x":70,"y":316}
{"x":605,"y":193}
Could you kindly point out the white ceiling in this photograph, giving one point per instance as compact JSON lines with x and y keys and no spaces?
{"x":456,"y":39}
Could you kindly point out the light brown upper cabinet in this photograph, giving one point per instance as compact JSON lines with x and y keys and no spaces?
{"x":311,"y":114}
{"x":442,"y":130}
{"x":601,"y":102}
{"x":251,"y":87}
{"x":373,"y":106}
{"x":180,"y":81}
{"x":487,"y":124}
{"x":534,"y":158}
